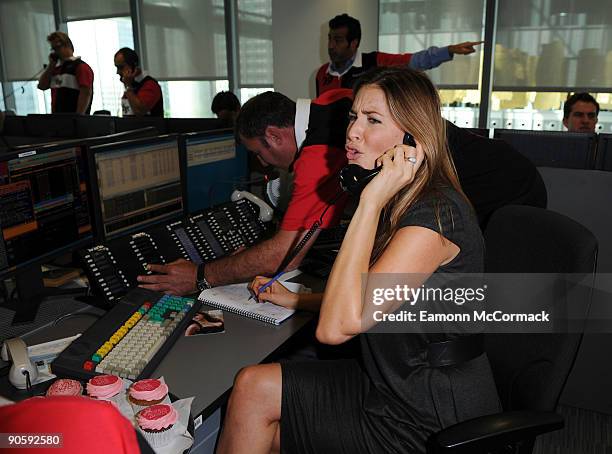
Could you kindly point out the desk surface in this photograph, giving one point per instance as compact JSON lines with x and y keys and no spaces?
{"x":204,"y":366}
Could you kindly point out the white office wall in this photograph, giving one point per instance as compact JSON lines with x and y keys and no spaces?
{"x":299,"y":36}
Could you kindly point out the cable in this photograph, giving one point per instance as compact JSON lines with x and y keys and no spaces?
{"x":311,"y":231}
{"x":28,"y":382}
{"x":75,"y":314}
{"x":22,"y":88}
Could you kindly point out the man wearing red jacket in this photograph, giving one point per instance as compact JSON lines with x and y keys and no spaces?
{"x":306,"y":138}
{"x":69,"y":78}
{"x":347,"y":62}
{"x":143,"y":95}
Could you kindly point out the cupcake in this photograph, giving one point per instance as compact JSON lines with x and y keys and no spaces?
{"x":65,"y":387}
{"x":145,"y":393}
{"x":104,"y":387}
{"x":156,"y":423}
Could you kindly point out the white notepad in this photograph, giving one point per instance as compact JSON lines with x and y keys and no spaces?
{"x":235,"y":298}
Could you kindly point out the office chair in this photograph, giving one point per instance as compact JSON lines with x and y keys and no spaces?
{"x":530,"y":370}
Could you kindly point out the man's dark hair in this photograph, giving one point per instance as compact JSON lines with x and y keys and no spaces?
{"x":225,"y":100}
{"x":129,"y":56}
{"x":584,"y":97}
{"x":266,"y":109}
{"x":352,"y":24}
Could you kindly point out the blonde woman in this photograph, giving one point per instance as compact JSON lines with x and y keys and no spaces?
{"x":413,"y":219}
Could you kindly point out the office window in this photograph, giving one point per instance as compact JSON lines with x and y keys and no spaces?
{"x":461,"y":107}
{"x":553,"y":45}
{"x":24,"y":27}
{"x":407,"y":26}
{"x":96,"y":41}
{"x":248,"y":93}
{"x":29,"y":99}
{"x":190,"y":99}
{"x":540,"y":111}
{"x":255,"y":42}
{"x":185,"y":39}
{"x":93,"y":9}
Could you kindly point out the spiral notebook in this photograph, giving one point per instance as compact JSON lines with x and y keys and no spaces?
{"x":235,"y":298}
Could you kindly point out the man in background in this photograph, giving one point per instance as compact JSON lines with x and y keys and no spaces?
{"x":225,"y":106}
{"x":143,"y":95}
{"x":580,"y":113}
{"x":69,"y":78}
{"x":347,"y":62}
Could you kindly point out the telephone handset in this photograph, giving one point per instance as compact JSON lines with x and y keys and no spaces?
{"x":354,"y":178}
{"x":265,"y":211}
{"x":23,"y":372}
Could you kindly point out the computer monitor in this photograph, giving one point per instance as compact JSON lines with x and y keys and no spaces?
{"x":45,"y":212}
{"x":136,"y":184}
{"x":215,"y":167}
{"x":570,"y":150}
{"x":604,"y":152}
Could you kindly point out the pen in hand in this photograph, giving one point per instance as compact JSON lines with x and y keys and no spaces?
{"x":266,"y":285}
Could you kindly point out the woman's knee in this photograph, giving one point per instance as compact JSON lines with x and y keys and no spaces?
{"x":262,"y":382}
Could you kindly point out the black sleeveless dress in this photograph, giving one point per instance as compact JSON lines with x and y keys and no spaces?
{"x":390,"y":400}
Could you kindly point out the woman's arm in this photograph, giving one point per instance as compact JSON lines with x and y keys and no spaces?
{"x":415,"y":250}
{"x":282,"y":296}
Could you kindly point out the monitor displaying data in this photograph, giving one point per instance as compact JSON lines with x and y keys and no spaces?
{"x":44,"y":205}
{"x":215,"y":167}
{"x":138,"y":184}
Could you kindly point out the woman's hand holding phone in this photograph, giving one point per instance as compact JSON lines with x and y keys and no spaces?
{"x":399,"y":166}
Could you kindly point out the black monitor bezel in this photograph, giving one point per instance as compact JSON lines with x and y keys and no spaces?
{"x":95,"y":191}
{"x":14,"y":270}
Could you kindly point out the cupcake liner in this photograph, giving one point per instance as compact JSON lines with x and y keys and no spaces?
{"x":159,"y":439}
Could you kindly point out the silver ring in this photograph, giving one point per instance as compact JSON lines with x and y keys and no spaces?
{"x":411,"y":159}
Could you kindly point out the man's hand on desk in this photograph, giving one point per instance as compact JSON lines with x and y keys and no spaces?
{"x":176,"y":278}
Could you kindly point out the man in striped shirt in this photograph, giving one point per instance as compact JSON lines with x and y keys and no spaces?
{"x":69,"y":78}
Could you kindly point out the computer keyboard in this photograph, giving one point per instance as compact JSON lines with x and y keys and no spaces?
{"x":130,"y":339}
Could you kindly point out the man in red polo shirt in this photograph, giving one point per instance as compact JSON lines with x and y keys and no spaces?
{"x":69,"y":78}
{"x":347,"y":62}
{"x":305,"y":138}
{"x":143,"y":95}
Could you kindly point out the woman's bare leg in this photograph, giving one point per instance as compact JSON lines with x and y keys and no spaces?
{"x":253,"y":412}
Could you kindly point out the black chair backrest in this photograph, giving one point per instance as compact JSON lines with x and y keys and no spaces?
{"x":603,"y":160}
{"x":531,"y":370}
{"x":571,"y":150}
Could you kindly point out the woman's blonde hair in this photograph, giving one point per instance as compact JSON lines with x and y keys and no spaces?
{"x":414,"y":105}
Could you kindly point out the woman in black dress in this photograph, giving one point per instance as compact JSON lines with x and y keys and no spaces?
{"x":412,"y":219}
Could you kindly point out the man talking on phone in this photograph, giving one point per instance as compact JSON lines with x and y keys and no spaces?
{"x":69,"y":78}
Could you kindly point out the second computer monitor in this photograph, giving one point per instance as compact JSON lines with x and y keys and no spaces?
{"x":138,"y":183}
{"x":215,"y":167}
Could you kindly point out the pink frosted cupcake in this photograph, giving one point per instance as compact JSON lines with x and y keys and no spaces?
{"x":157,"y":424}
{"x":65,"y":387}
{"x":145,"y":393}
{"x":104,"y":387}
